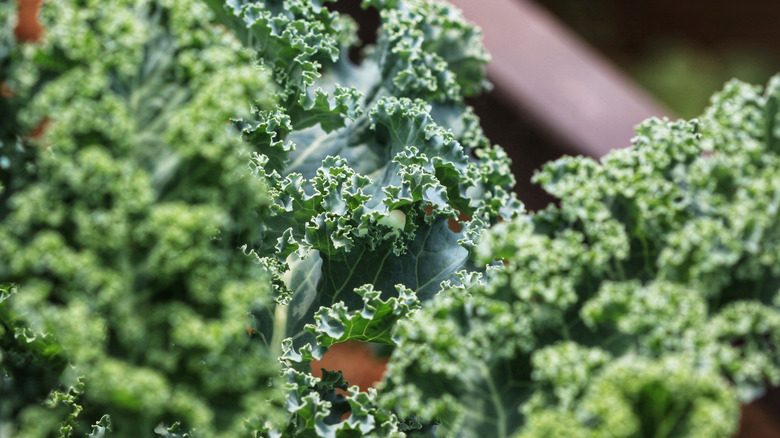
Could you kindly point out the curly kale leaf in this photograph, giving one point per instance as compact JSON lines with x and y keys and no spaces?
{"x":380,"y":178}
{"x":132,"y":296}
{"x":364,"y":174}
{"x":646,"y":304}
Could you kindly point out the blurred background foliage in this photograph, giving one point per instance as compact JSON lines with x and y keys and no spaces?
{"x":680,"y":51}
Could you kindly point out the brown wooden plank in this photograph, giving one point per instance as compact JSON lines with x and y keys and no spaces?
{"x":28,"y":28}
{"x":758,"y":423}
{"x":564,"y":86}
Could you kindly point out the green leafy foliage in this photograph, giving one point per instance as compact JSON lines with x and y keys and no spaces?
{"x":646,"y":304}
{"x":200,"y":198}
{"x":380,"y":176}
{"x":155,"y":288}
{"x":131,"y":299}
{"x":365,"y":164}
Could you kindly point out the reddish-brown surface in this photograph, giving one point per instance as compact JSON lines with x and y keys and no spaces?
{"x":356,"y":361}
{"x":28,"y":28}
{"x":4,"y":91}
{"x":758,"y":423}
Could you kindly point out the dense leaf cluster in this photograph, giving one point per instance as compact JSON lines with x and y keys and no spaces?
{"x":646,"y":304}
{"x":370,"y":167}
{"x":200,"y":197}
{"x":158,"y":262}
{"x":121,"y":224}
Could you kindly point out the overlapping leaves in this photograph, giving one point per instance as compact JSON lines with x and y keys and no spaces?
{"x":121,"y":235}
{"x":645,"y":305}
{"x":371,"y":166}
{"x":379,"y":186}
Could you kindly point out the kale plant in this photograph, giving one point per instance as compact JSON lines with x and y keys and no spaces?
{"x":126,"y":196}
{"x":198,"y":198}
{"x":157,"y":263}
{"x":381,"y":181}
{"x":646,"y":304}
